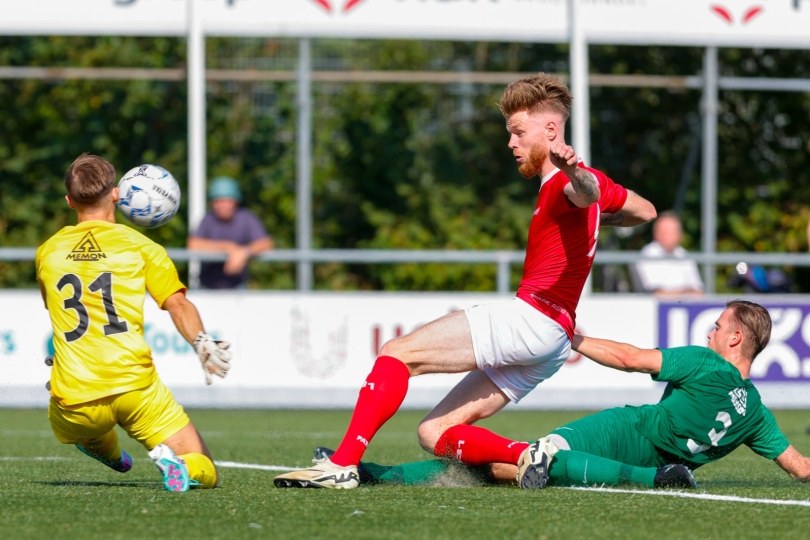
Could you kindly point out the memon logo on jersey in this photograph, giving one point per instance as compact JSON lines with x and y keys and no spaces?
{"x":86,"y":250}
{"x":334,"y":5}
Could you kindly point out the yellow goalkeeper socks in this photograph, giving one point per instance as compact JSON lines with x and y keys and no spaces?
{"x":201,"y":469}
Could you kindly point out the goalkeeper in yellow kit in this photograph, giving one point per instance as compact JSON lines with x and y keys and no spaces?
{"x":93,"y":277}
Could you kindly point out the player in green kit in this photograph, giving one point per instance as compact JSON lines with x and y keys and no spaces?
{"x":708,"y":409}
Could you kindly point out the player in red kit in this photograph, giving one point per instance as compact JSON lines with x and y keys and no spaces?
{"x":507,"y":347}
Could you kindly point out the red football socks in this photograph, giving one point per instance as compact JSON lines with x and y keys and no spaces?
{"x":380,"y":397}
{"x":475,"y":445}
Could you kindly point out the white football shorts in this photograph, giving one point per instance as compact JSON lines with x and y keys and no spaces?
{"x":517,"y":346}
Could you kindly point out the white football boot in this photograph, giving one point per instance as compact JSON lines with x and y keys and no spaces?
{"x":322,"y":474}
{"x":172,"y":467}
{"x":534,"y":463}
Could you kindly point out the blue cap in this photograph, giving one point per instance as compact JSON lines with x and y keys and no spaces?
{"x":224,"y":187}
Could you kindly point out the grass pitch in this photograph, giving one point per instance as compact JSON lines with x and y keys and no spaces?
{"x":50,"y":490}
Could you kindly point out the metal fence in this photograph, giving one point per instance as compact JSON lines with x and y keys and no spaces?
{"x":502,"y":259}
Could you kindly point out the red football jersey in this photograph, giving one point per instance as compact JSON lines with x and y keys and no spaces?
{"x":561,"y":246}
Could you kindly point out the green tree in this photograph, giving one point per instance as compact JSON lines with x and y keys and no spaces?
{"x":48,"y":123}
{"x":401,"y":166}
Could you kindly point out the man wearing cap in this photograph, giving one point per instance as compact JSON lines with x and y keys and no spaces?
{"x":230,"y":228}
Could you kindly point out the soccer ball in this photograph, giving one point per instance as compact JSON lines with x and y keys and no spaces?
{"x":148,"y":195}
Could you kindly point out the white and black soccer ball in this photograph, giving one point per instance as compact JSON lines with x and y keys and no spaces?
{"x":148,"y":195}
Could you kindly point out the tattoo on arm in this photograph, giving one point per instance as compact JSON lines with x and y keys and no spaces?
{"x":608,"y":220}
{"x":585,"y":183}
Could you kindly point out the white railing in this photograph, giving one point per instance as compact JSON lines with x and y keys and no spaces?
{"x":503,"y":259}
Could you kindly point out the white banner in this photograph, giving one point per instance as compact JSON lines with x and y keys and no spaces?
{"x":731,"y":23}
{"x":315,"y":350}
{"x":740,"y":23}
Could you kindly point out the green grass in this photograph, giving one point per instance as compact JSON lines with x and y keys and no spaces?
{"x":50,"y":490}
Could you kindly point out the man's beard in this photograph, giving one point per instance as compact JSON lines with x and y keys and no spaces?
{"x":534,"y":163}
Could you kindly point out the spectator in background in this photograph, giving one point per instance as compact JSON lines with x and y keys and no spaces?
{"x":666,"y":270}
{"x":228,"y":227}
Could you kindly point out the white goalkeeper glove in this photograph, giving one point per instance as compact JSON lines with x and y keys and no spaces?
{"x":214,"y":356}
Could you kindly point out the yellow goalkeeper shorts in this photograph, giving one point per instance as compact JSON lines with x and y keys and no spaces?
{"x":149,"y":415}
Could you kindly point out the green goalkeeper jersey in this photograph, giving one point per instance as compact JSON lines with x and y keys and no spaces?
{"x":707,"y":410}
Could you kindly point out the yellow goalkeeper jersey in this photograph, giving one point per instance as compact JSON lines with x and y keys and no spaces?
{"x":94,"y":277}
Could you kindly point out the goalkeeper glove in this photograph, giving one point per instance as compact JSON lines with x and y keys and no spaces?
{"x":214,"y":356}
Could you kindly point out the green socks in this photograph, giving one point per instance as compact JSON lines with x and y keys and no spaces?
{"x":572,"y":468}
{"x":410,"y":474}
{"x":569,"y":468}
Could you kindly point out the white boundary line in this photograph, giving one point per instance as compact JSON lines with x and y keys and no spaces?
{"x":704,"y":496}
{"x":35,"y":458}
{"x":237,"y":465}
{"x":680,"y":494}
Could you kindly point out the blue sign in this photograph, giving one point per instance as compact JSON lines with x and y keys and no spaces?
{"x":787,"y":356}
